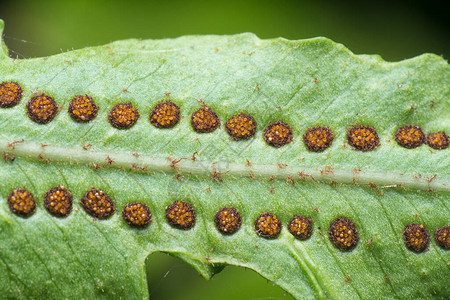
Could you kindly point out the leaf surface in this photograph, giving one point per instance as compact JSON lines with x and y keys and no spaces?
{"x":305,"y":83}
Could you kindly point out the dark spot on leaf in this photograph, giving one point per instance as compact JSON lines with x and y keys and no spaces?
{"x":369,"y":242}
{"x":12,"y":145}
{"x":410,"y":136}
{"x":343,"y":234}
{"x":98,"y":204}
{"x":278,"y":134}
{"x":416,"y":237}
{"x":86,"y":147}
{"x":83,"y":109}
{"x":10,"y":94}
{"x":21,"y":202}
{"x":42,"y":109}
{"x":241,"y":127}
{"x":181,"y":215}
{"x":205,"y":120}
{"x":300,"y":227}
{"x":268,"y":226}
{"x":228,"y":220}
{"x":363,"y":138}
{"x":318,"y":138}
{"x":8,"y":157}
{"x":165,"y":115}
{"x":58,"y":201}
{"x":438,"y":140}
{"x":137,"y":215}
{"x":123,"y":116}
{"x":216,"y":176}
{"x":442,"y":237}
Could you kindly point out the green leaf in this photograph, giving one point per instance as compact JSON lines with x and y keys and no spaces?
{"x":304,"y":83}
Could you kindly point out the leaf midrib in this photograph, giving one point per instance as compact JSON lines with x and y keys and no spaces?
{"x":218,"y":169}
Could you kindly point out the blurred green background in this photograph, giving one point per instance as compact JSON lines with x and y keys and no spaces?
{"x":394,"y":29}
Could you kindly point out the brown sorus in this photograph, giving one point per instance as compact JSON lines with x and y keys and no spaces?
{"x":438,"y":140}
{"x":58,"y":201}
{"x":278,"y":134}
{"x":416,"y":237}
{"x":205,"y":120}
{"x":228,"y":220}
{"x":82,"y":108}
{"x":241,"y":127}
{"x":42,"y":109}
{"x":165,"y":115}
{"x":181,"y":215}
{"x":442,"y":237}
{"x":123,"y":115}
{"x":10,"y":94}
{"x":98,"y":204}
{"x":318,"y":138}
{"x":363,"y":138}
{"x":410,"y":136}
{"x":268,"y":226}
{"x":300,"y":227}
{"x":21,"y":202}
{"x":343,"y":234}
{"x":137,"y":215}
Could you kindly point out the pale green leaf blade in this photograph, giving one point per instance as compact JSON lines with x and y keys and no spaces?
{"x":305,"y":83}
